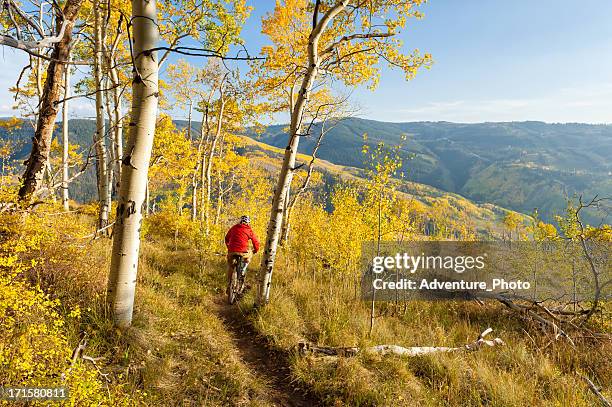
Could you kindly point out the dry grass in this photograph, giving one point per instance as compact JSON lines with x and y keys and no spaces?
{"x":186,"y":353}
{"x":180,"y":352}
{"x":532,"y":369}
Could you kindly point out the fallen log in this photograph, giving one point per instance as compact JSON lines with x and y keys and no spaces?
{"x":596,"y":390}
{"x":307,"y":348}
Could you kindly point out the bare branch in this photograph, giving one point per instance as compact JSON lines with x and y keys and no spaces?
{"x":199,"y":52}
{"x":595,"y":390}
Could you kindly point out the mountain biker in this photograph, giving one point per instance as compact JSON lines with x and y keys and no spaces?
{"x":237,"y":242}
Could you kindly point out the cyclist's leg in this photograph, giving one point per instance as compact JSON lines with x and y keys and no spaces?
{"x":246,"y":260}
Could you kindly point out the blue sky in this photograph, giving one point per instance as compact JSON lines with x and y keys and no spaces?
{"x":494,"y":61}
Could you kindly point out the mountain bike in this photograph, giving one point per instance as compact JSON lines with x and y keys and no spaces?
{"x":236,"y":283}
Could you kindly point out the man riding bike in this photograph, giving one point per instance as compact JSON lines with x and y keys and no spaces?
{"x":237,"y":242}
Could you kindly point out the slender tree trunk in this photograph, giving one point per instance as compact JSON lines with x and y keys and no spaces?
{"x":41,"y":143}
{"x":219,"y":199}
{"x":284,"y":179}
{"x":288,"y":205}
{"x":209,"y":161}
{"x":378,"y":239}
{"x":202,"y":182}
{"x":65,"y":138}
{"x":194,"y":199}
{"x":194,"y":181}
{"x":39,"y":61}
{"x":189,"y":121}
{"x":135,"y":164}
{"x":204,"y":139}
{"x":111,"y":138}
{"x":220,"y":190}
{"x":100,"y":135}
{"x":117,"y":123}
{"x":147,"y":200}
{"x":288,"y":208}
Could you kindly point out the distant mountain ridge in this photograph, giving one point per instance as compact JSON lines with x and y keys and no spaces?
{"x":518,"y":165}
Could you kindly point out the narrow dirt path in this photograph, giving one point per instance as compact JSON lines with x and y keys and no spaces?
{"x":268,"y":365}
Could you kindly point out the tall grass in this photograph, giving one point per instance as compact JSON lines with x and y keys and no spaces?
{"x":531,"y":369}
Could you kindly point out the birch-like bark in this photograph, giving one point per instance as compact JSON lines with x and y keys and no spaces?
{"x":202,"y":182}
{"x":194,"y":180}
{"x":52,"y":90}
{"x":211,"y":154}
{"x":204,"y":139}
{"x":287,"y":209}
{"x":147,"y":200}
{"x":65,"y":138}
{"x":306,"y":348}
{"x":209,"y":162}
{"x":39,"y":62}
{"x":111,"y":138}
{"x":284,"y":178}
{"x":135,"y":164}
{"x":220,"y":190}
{"x":117,"y":122}
{"x":104,"y":197}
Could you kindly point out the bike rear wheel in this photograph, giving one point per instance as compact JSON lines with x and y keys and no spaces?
{"x":232,"y":291}
{"x":236,"y":283}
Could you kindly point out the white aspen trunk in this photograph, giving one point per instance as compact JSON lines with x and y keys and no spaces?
{"x":135,"y":165}
{"x":147,"y":200}
{"x":219,"y":187}
{"x":288,"y":206}
{"x":201,"y":165}
{"x":65,"y":138}
{"x":194,"y":199}
{"x":118,"y":123}
{"x":219,"y":198}
{"x":111,"y":139}
{"x":202,"y":182}
{"x":189,"y":121}
{"x":179,"y":203}
{"x":287,"y":209}
{"x":39,"y":70}
{"x":284,"y":178}
{"x":99,"y":137}
{"x":194,"y":182}
{"x":209,"y":161}
{"x":39,"y":62}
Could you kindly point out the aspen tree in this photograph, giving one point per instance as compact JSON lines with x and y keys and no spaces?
{"x":65,"y":138}
{"x":102,"y":167}
{"x":343,"y":40}
{"x":135,"y":163}
{"x":51,"y":93}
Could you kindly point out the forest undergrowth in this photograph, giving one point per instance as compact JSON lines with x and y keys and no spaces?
{"x":181,"y":350}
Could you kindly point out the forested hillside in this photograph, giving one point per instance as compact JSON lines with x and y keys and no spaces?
{"x":487,"y":217}
{"x":81,"y":135}
{"x":518,"y":165}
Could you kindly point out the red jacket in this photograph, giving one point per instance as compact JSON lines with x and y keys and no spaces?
{"x":237,"y":239}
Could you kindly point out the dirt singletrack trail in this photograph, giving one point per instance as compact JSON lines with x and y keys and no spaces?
{"x":266,"y":364}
